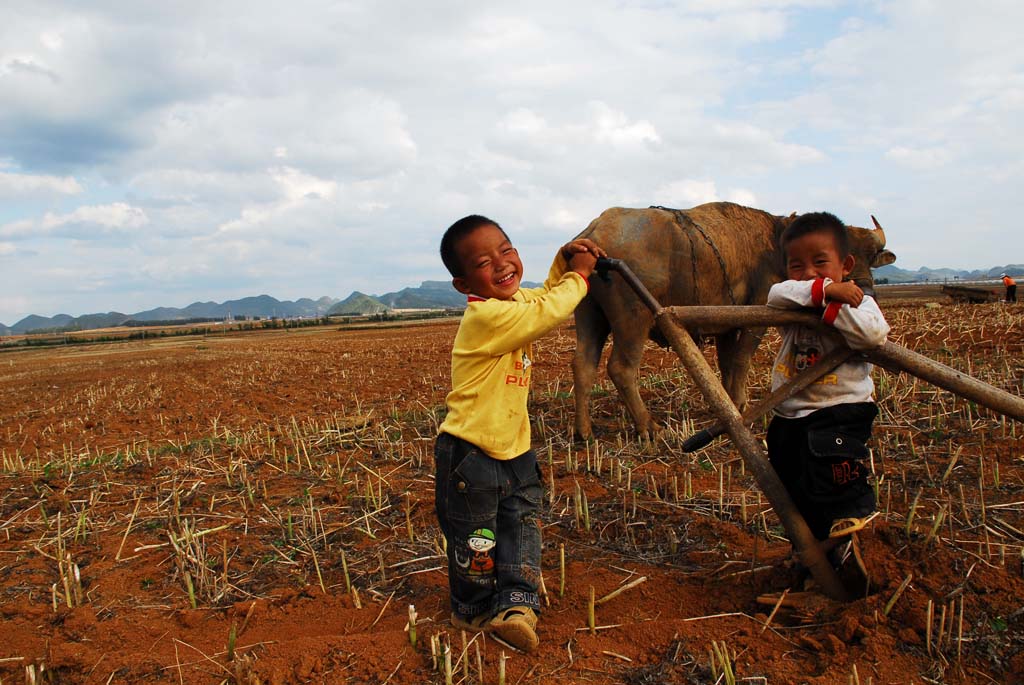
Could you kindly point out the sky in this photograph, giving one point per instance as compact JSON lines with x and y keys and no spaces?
{"x":157,"y":154}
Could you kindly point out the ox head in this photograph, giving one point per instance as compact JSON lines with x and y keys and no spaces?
{"x":868,"y":249}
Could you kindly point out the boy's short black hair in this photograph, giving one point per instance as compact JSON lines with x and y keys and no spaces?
{"x":817,"y":222}
{"x":454,"y":235}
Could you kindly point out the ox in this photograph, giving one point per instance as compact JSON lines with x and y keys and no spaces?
{"x":713,"y":254}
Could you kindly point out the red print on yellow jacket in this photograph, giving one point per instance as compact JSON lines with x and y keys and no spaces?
{"x":522,"y":375}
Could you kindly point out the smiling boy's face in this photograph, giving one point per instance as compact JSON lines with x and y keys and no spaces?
{"x":490,"y":265}
{"x":815,"y":255}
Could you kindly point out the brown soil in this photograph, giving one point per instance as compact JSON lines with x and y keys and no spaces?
{"x":257,"y":467}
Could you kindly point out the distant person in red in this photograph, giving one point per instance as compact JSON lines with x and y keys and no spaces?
{"x":1011,"y":288}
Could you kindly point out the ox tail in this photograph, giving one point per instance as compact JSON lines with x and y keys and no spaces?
{"x":592,"y":331}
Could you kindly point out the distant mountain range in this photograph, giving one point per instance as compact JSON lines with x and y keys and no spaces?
{"x":429,"y":295}
{"x":898,"y":275}
{"x":262,"y":306}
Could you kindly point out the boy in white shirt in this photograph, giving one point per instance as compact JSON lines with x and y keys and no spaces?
{"x":816,"y":440}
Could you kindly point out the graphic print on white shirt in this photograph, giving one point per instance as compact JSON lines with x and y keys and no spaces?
{"x":806,"y":349}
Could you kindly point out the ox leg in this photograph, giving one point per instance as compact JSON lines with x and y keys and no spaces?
{"x":735,"y":352}
{"x":623,"y":367}
{"x":592,"y":331}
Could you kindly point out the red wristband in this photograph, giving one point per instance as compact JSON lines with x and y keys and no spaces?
{"x":818,"y":292}
{"x":831,"y":312}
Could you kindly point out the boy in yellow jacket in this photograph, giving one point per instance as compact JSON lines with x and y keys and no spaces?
{"x":487,"y":487}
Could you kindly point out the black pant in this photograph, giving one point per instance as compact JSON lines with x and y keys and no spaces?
{"x":819,"y":458}
{"x":1011,"y":293}
{"x":487,"y":509}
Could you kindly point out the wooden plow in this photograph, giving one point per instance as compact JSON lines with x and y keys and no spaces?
{"x":969,"y":295}
{"x":673,"y":322}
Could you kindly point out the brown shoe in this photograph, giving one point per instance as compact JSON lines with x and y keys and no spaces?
{"x":481,"y":623}
{"x":517,"y":626}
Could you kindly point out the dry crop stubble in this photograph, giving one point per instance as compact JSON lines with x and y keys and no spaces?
{"x":287,"y":479}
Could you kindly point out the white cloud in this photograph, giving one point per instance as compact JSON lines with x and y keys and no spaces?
{"x":117,"y":215}
{"x":348,"y":132}
{"x":921,"y":160}
{"x":17,"y":184}
{"x":297,"y":185}
{"x":689,"y":192}
{"x":565,"y":219}
{"x":184,"y":186}
{"x":17,"y":229}
{"x":523,"y":121}
{"x":850,"y":202}
{"x":298,"y":192}
{"x":51,"y":40}
{"x":742,"y":196}
{"x":770,"y":148}
{"x":686,"y":193}
{"x":16,"y":302}
{"x":598,"y":124}
{"x":612,"y":126}
{"x":85,"y":223}
{"x":27,"y":66}
{"x":748,"y":5}
{"x":172,"y":269}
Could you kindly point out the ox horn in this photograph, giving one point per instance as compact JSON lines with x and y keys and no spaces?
{"x":879,"y":231}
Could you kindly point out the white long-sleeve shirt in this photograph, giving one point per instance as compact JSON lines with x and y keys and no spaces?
{"x":862,"y":327}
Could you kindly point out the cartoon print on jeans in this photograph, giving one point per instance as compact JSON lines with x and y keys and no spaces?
{"x":481,"y":542}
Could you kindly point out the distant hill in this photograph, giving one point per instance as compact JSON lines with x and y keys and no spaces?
{"x":357,"y":304}
{"x":261,"y":306}
{"x":897,"y":275}
{"x":429,"y":295}
{"x":33,"y":322}
{"x":87,"y":321}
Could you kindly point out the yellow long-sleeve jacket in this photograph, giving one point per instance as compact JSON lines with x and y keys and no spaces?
{"x":491,"y":361}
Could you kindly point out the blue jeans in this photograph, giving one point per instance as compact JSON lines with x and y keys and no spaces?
{"x":487,"y":509}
